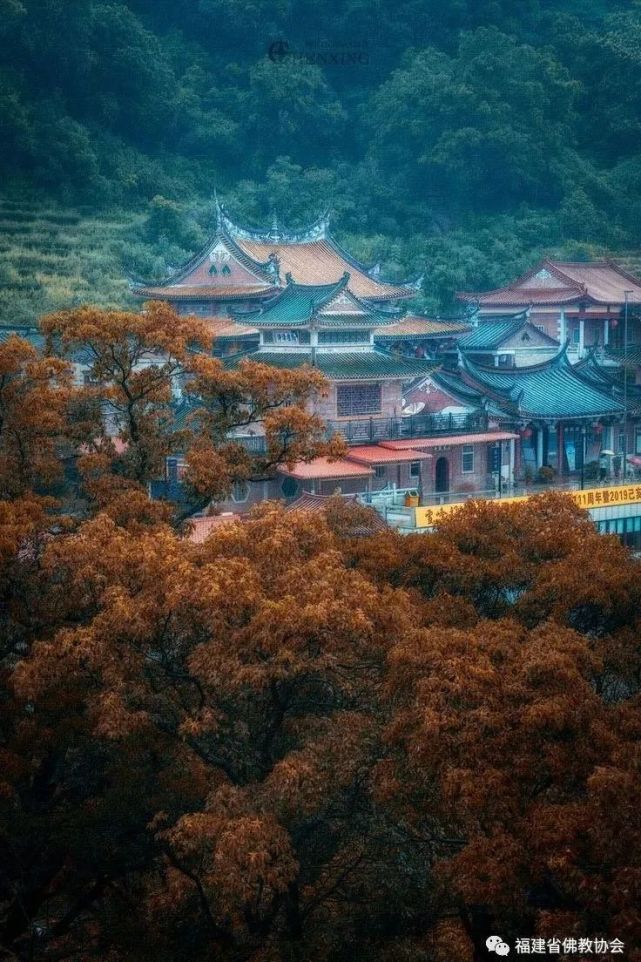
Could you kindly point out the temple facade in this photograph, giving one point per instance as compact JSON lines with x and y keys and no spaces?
{"x":564,"y":415}
{"x":583,"y":303}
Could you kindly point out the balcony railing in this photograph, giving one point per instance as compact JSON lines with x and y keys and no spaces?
{"x":414,"y":426}
{"x":370,"y":430}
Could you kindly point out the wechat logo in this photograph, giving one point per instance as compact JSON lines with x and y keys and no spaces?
{"x":496,"y":944}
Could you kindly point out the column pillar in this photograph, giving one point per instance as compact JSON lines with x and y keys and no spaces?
{"x":581,"y":336}
{"x":539,"y":446}
{"x":563,"y":327}
{"x":512,"y":460}
{"x":559,"y":449}
{"x":606,"y":332}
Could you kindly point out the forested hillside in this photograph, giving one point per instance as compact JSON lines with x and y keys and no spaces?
{"x":458,"y":140}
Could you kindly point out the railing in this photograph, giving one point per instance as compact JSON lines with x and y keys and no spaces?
{"x":389,"y":502}
{"x":253,"y":443}
{"x":413,"y":426}
{"x":371,"y":430}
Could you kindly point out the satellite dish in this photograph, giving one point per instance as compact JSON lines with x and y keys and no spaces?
{"x":414,"y":408}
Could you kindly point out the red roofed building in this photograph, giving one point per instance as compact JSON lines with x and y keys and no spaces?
{"x":580,"y":302}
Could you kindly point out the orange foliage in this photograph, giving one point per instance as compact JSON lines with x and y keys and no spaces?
{"x":293,"y":741}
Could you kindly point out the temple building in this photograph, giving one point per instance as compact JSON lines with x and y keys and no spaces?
{"x":243,"y":267}
{"x":565,"y":414}
{"x":328,"y":327}
{"x":583,"y":303}
{"x":507,"y":341}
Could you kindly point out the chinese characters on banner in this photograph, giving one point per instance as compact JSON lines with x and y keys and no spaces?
{"x":589,"y":498}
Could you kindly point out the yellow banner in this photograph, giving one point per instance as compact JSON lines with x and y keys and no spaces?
{"x":588,"y":498}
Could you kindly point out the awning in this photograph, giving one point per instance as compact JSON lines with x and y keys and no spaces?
{"x":324,"y":468}
{"x":449,"y":440}
{"x":377,"y":454}
{"x":635,"y":459}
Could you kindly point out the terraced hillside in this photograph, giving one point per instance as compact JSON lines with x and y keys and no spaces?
{"x":54,"y":257}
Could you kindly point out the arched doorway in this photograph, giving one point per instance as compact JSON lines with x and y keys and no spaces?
{"x":442,"y":477}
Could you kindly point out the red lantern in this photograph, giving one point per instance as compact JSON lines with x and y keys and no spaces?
{"x":597,"y":428}
{"x":526,"y":433}
{"x":614,"y":322}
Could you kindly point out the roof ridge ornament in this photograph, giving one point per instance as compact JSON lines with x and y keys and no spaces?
{"x":472,"y":311}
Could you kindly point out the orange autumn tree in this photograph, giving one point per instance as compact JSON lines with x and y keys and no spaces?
{"x":515,"y":757}
{"x":201,"y":729}
{"x":272,"y":404}
{"x":37,"y":429}
{"x":161,"y":394}
{"x":299,"y":742}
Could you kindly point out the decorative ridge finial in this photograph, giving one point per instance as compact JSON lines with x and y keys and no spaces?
{"x":219,"y":211}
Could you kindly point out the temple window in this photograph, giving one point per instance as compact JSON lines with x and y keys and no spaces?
{"x":226,"y":269}
{"x":467,"y":458}
{"x":415,"y":469}
{"x":380,"y":471}
{"x":240,"y":491}
{"x":343,"y":337}
{"x":213,"y":269}
{"x":356,"y":399}
{"x":286,"y":337}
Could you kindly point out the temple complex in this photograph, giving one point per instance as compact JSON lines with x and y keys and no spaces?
{"x":524,"y":386}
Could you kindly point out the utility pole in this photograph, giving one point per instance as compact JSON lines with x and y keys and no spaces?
{"x":624,"y":467}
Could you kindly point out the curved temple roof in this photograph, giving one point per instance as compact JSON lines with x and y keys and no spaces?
{"x":374,"y":364}
{"x":330,"y":305}
{"x":564,"y":282}
{"x":553,"y":389}
{"x":264,"y":257}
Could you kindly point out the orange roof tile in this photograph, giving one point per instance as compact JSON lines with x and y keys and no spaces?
{"x":324,"y":468}
{"x":415,"y":326}
{"x":197,"y":292}
{"x":449,"y":440}
{"x":320,"y":262}
{"x":319,"y":502}
{"x":605,"y":282}
{"x":377,"y":454}
{"x":225,"y":327}
{"x":563,"y":282}
{"x":201,"y":528}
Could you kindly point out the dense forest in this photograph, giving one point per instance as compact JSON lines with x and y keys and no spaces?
{"x":459,"y":141}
